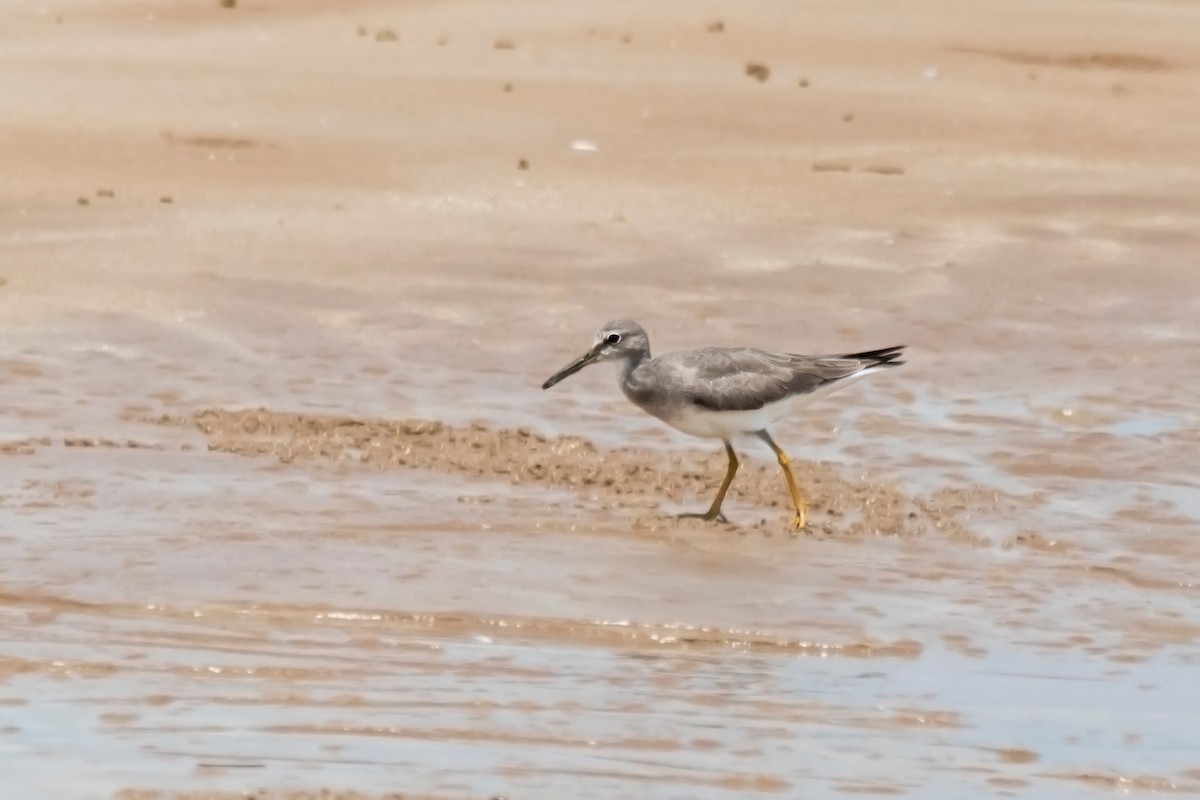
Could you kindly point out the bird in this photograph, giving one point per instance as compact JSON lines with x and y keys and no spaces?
{"x":725,"y":392}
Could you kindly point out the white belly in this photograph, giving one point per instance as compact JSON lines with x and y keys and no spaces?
{"x":706,"y":424}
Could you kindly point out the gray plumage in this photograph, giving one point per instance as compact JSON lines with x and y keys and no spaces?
{"x":720,"y":381}
{"x":743,"y":378}
{"x":722,"y":392}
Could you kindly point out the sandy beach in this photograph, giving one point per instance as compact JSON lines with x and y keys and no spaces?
{"x":285,"y":514}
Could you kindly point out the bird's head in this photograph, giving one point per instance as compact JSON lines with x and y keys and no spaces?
{"x":615,"y":341}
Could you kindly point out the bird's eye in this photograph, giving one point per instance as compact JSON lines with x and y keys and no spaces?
{"x":613,"y":338}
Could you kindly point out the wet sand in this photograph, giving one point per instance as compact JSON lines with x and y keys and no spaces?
{"x":284,"y":513}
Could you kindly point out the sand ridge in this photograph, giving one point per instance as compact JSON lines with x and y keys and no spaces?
{"x":626,"y":478}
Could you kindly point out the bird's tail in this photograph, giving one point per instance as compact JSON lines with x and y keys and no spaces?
{"x":887,"y":357}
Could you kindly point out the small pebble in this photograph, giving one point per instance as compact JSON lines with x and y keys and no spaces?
{"x":760,"y":72}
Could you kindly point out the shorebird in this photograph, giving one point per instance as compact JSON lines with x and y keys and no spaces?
{"x":723,"y":392}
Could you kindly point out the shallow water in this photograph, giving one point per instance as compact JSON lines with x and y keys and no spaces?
{"x":273,"y":604}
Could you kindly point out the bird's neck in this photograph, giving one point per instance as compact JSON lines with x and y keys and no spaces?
{"x":627,"y":374}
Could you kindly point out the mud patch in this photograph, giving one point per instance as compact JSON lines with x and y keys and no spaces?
{"x":625,"y":478}
{"x":211,"y":141}
{"x":550,"y":631}
{"x":1127,"y":784}
{"x":1124,"y":62}
{"x":22,"y":447}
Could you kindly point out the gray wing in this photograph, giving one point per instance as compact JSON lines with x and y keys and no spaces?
{"x":744,"y":379}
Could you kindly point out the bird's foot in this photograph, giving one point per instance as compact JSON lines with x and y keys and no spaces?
{"x":707,"y":516}
{"x":799,"y":521}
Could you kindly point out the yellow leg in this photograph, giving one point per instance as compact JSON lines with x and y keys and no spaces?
{"x":798,"y":521}
{"x":714,"y":511}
